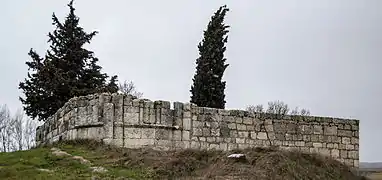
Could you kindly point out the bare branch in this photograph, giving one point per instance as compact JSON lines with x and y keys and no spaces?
{"x":129,"y":88}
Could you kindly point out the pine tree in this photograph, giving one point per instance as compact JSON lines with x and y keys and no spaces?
{"x":68,"y":70}
{"x":208,"y":88}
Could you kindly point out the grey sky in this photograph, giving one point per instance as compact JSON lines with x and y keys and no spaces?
{"x":324,"y":55}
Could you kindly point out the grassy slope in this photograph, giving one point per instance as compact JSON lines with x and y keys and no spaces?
{"x":148,"y":164}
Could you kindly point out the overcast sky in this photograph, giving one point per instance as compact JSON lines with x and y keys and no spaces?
{"x":324,"y":55}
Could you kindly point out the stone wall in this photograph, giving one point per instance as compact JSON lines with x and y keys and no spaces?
{"x":133,"y":123}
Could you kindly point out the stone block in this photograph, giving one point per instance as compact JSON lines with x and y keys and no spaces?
{"x":335,"y":153}
{"x":349,"y":147}
{"x":213,"y":147}
{"x":195,"y":144}
{"x":185,"y":135}
{"x":346,"y":140}
{"x":317,"y":145}
{"x":138,"y":143}
{"x":232,"y":125}
{"x":215,"y":132}
{"x":197,"y":132}
{"x":118,"y":132}
{"x":262,"y":135}
{"x":187,"y":123}
{"x":243,"y":134}
{"x":354,"y":140}
{"x":206,"y":131}
{"x":232,"y":146}
{"x":353,"y":155}
{"x":317,"y":129}
{"x":247,"y":120}
{"x":343,"y":154}
{"x":324,"y":151}
{"x":330,"y":130}
{"x":223,"y":146}
{"x":162,"y":134}
{"x":133,"y":133}
{"x":148,"y":133}
{"x":177,"y":135}
{"x":130,"y":118}
{"x":300,"y":143}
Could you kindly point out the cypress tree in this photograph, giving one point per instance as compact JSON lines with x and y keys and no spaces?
{"x":208,"y":88}
{"x":66,"y":71}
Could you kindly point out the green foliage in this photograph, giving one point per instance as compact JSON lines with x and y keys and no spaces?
{"x":208,"y":88}
{"x":66,"y":71}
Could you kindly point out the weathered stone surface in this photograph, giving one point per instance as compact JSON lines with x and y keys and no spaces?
{"x":125,"y":121}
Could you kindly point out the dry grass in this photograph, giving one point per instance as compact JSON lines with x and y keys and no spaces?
{"x":261,"y":163}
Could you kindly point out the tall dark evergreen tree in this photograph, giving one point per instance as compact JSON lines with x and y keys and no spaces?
{"x":66,"y":71}
{"x":208,"y":88}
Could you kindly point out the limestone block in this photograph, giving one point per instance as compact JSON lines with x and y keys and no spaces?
{"x":353,"y":155}
{"x":317,"y":129}
{"x":305,"y":129}
{"x":215,"y":132}
{"x":195,"y":145}
{"x":163,"y":134}
{"x":108,"y":114}
{"x":243,"y":134}
{"x":118,"y":142}
{"x":238,"y":120}
{"x":204,"y":145}
{"x":232,"y":146}
{"x":317,"y":145}
{"x":356,"y":163}
{"x":118,"y":132}
{"x":262,"y":135}
{"x":335,"y":153}
{"x":343,"y":154}
{"x":346,"y":133}
{"x":349,"y":147}
{"x":354,"y":141}
{"x":133,"y":133}
{"x":163,"y":144}
{"x":203,"y":139}
{"x":240,"y":140}
{"x":300,"y":143}
{"x":324,"y":151}
{"x":197,"y":131}
{"x":247,"y":120}
{"x":187,"y":123}
{"x":291,"y":128}
{"x":232,"y":125}
{"x":223,"y":146}
{"x":182,"y":144}
{"x":213,"y":147}
{"x":346,"y":140}
{"x":241,"y":127}
{"x":243,"y":146}
{"x":138,"y":143}
{"x":177,"y":135}
{"x":118,"y":107}
{"x":185,"y":135}
{"x":228,"y":119}
{"x":148,"y":133}
{"x":330,"y":130}
{"x":206,"y":131}
{"x":130,"y":118}
{"x":288,"y":137}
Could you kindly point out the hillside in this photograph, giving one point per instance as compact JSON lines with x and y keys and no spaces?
{"x":93,"y":160}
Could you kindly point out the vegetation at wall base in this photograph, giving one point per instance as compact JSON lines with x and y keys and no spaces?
{"x":66,"y":71}
{"x":208,"y":88}
{"x":260,"y":163}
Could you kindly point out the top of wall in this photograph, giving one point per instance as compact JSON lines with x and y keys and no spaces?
{"x":95,"y":99}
